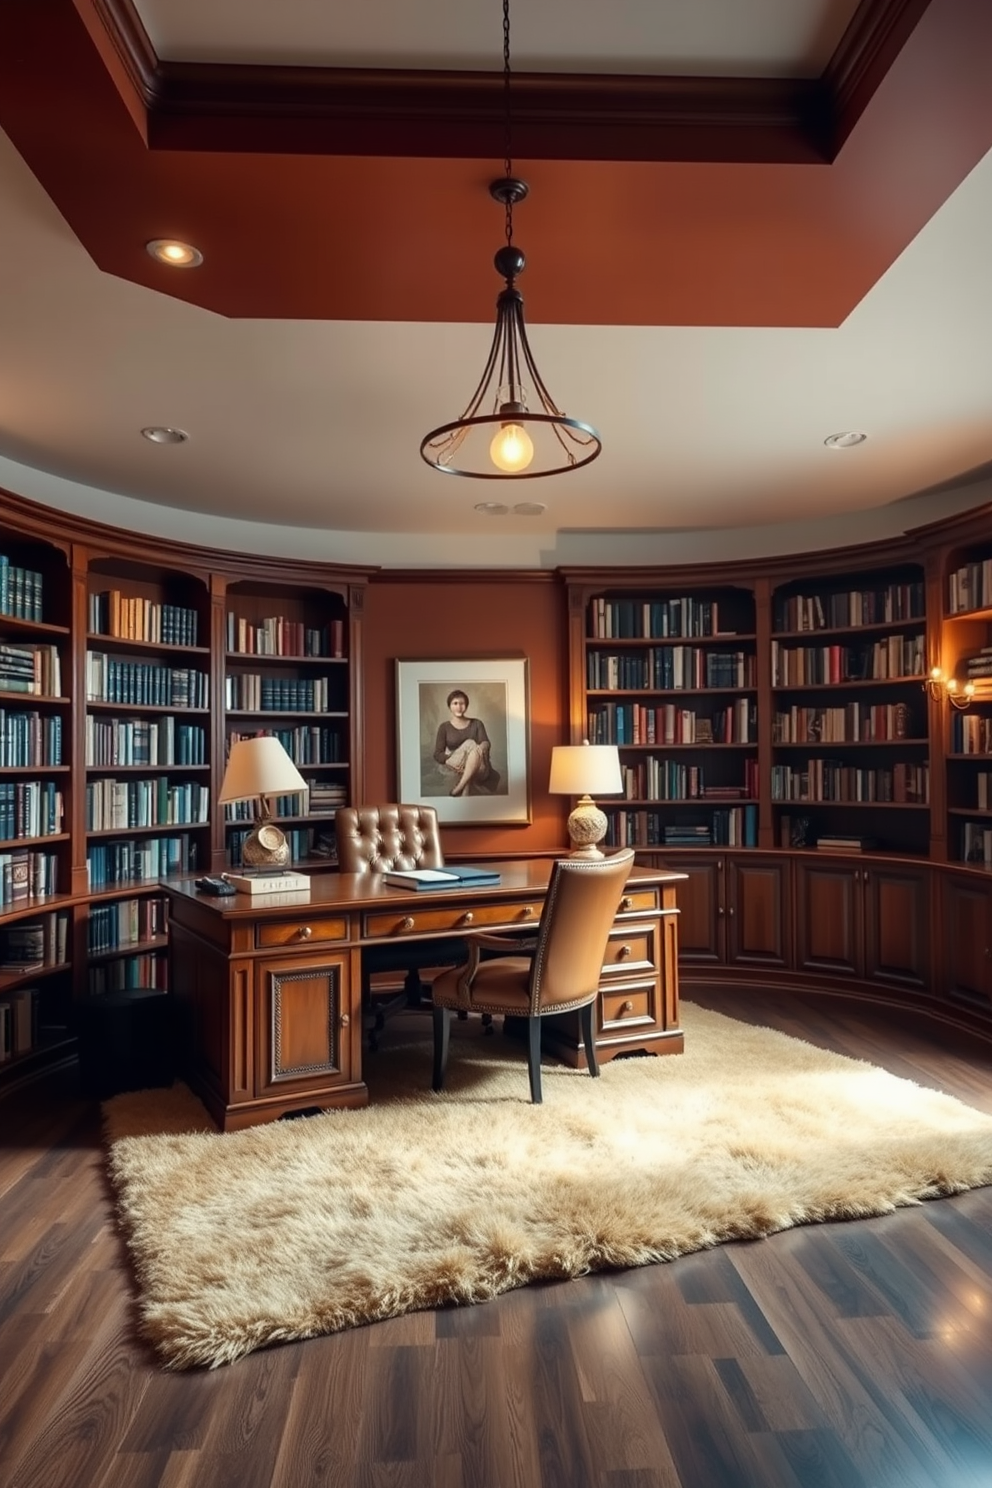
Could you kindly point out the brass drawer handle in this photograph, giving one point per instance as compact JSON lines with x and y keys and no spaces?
{"x":304,"y":932}
{"x":345,"y":1020}
{"x":623,"y":952}
{"x":628,"y":1007}
{"x":406,"y":923}
{"x":466,"y":918}
{"x":527,"y":913}
{"x":626,"y":902}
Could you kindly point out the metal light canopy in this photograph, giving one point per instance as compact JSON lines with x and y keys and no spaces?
{"x":500,"y":436}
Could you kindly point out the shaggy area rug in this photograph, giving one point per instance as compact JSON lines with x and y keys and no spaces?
{"x":305,"y":1227}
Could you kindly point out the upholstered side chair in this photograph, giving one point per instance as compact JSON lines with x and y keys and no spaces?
{"x":379,"y":839}
{"x":561,"y":974}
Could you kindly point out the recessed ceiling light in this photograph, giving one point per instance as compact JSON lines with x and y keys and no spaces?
{"x":530,"y":508}
{"x":492,"y":508}
{"x":160,"y":435}
{"x":847,"y":440}
{"x":174,"y":253}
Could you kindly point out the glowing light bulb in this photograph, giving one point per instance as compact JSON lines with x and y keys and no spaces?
{"x":512,"y":448}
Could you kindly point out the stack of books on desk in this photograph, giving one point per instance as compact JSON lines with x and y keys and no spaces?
{"x":282,"y":882}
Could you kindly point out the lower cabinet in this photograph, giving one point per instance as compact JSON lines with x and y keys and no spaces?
{"x":303,"y":1041}
{"x":870,"y":922}
{"x":264,"y":1036}
{"x":966,"y":942}
{"x":735,"y":910}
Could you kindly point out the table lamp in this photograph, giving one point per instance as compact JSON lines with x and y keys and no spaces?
{"x":257,"y":770}
{"x":580,"y":770}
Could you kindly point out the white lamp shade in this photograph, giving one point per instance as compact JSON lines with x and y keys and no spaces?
{"x":585,"y":770}
{"x":260,"y":767}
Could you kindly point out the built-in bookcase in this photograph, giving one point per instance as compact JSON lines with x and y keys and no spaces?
{"x":850,"y":761}
{"x":117,"y":652}
{"x":671,"y":678}
{"x":966,"y":658}
{"x":287,"y":673}
{"x":147,"y":802}
{"x":35,"y":798}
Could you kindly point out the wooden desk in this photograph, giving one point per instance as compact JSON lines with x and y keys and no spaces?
{"x":268,"y":988}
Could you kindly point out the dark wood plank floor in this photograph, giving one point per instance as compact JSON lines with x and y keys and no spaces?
{"x":853,"y":1355}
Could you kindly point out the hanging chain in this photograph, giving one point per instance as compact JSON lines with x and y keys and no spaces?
{"x":507,"y":161}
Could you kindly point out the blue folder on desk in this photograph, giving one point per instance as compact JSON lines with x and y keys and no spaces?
{"x":455,"y":877}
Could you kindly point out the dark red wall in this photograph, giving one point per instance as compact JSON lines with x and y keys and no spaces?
{"x":436,"y":616}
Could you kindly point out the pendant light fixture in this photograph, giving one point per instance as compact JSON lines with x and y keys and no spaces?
{"x":512,"y":428}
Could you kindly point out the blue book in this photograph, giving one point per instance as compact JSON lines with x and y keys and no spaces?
{"x":440,"y":878}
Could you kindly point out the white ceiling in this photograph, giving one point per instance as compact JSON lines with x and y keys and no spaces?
{"x":313,"y":429}
{"x":756,"y":38}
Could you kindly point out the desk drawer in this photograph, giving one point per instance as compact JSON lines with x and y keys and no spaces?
{"x":398,"y":924}
{"x":638,"y":901}
{"x":300,"y":930}
{"x":632,"y":950}
{"x":627,"y":1007}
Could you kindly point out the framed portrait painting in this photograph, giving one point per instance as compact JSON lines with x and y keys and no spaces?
{"x":463,"y":739}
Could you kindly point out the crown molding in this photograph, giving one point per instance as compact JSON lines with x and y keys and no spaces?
{"x":355,"y":111}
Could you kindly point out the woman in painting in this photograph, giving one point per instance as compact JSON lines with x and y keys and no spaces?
{"x":462,"y":748}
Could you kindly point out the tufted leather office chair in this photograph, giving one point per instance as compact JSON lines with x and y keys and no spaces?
{"x":376,"y":839}
{"x":561,"y":974}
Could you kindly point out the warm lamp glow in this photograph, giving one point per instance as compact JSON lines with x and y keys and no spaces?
{"x":177,"y":254}
{"x":939,"y":687}
{"x":512,"y":448}
{"x":578,"y":770}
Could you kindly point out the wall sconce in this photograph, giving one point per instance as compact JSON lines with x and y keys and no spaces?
{"x":579,"y":770}
{"x":938,"y":687}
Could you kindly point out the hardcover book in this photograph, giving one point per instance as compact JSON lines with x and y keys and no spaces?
{"x":268,"y":883}
{"x":441,"y":878}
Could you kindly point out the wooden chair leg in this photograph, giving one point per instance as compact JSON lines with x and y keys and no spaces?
{"x":534,"y":1058}
{"x":442,"y":1031}
{"x":588,"y":1036}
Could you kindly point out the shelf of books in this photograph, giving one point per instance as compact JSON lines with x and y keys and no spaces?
{"x":147,"y":757}
{"x":966,"y":657}
{"x":287,"y":675}
{"x":670,"y":678}
{"x":850,"y":747}
{"x":35,"y":797}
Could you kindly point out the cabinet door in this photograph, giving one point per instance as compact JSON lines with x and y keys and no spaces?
{"x":829,"y":917}
{"x":897,"y":926}
{"x":759,"y":929}
{"x":305,"y":1031}
{"x":967,"y":939}
{"x":701,"y":909}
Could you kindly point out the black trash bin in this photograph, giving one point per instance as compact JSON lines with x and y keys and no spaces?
{"x":126,"y":1042}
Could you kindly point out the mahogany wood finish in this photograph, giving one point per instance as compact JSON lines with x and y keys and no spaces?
{"x":966,"y":915}
{"x":870,"y":922}
{"x":909,"y":931}
{"x":779,"y":247}
{"x":757,"y":912}
{"x":851,"y":1355}
{"x":365,"y":111}
{"x":78,"y":560}
{"x":831,"y":918}
{"x":265,"y":1035}
{"x":735,"y":910}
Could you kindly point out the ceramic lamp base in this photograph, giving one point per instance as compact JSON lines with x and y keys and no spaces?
{"x":265,"y":847}
{"x":586,"y":829}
